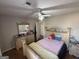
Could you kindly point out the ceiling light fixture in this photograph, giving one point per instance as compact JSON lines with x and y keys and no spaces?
{"x":28,"y":3}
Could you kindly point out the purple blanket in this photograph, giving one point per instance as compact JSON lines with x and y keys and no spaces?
{"x":51,"y":45}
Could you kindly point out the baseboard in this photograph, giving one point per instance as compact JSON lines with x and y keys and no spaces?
{"x":7,"y":50}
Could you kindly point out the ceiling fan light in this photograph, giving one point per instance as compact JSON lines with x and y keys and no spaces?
{"x":41,"y":18}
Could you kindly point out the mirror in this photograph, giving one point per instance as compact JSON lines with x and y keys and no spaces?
{"x":23,"y":28}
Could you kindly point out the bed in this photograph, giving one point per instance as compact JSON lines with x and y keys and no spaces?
{"x":35,"y":51}
{"x":46,"y":49}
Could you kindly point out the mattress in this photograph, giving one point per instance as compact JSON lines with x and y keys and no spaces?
{"x":43,"y":53}
{"x":52,"y":45}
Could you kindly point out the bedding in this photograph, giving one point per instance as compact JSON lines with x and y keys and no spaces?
{"x":43,"y":53}
{"x":54,"y":46}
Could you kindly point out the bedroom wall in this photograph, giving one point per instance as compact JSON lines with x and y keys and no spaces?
{"x":64,"y":21}
{"x":8,"y":29}
{"x":0,"y":40}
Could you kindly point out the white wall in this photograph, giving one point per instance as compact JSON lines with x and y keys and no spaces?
{"x":0,"y":40}
{"x":8,"y":28}
{"x":67,"y":20}
{"x":0,"y":36}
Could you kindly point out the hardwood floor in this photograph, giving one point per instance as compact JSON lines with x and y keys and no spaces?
{"x":69,"y":56}
{"x":14,"y":54}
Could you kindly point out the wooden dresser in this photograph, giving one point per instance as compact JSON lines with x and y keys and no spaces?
{"x":28,"y":38}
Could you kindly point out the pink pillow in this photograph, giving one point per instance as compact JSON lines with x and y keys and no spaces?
{"x":49,"y":37}
{"x":53,"y":36}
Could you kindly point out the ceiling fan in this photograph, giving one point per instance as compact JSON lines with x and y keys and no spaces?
{"x":40,"y":13}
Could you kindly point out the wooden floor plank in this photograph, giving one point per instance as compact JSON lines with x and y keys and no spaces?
{"x":14,"y":54}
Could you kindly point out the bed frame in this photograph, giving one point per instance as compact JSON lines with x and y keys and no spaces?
{"x":27,"y":51}
{"x":56,"y":29}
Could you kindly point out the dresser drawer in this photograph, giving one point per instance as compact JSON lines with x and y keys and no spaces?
{"x":29,"y":39}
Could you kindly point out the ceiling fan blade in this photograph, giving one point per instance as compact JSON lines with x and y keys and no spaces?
{"x":46,"y":15}
{"x":63,"y":6}
{"x":34,"y":11}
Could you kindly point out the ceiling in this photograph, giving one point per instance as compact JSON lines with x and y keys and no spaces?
{"x":19,"y":7}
